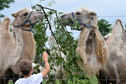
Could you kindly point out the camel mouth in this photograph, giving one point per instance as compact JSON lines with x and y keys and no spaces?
{"x":68,"y":22}
{"x":33,"y":23}
{"x":71,"y":22}
{"x":37,"y":21}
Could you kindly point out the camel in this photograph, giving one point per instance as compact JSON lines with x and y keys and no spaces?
{"x":52,"y":43}
{"x":12,"y":51}
{"x":112,"y":53}
{"x":91,"y":45}
{"x":115,"y":69}
{"x":6,"y":41}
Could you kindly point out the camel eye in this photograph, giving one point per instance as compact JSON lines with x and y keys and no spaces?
{"x":78,"y":13}
{"x":25,"y":14}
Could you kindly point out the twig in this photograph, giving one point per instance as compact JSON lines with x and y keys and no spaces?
{"x":48,"y":20}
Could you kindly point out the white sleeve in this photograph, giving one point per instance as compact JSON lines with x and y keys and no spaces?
{"x":17,"y":82}
{"x":38,"y":77}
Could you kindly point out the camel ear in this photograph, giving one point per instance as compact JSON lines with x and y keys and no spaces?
{"x":14,"y":15}
{"x":91,"y":14}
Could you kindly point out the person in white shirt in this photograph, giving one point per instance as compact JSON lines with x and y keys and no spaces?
{"x":26,"y":69}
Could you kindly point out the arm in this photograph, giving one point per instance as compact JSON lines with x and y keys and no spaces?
{"x":47,"y":67}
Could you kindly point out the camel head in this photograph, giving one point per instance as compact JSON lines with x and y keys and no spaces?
{"x":83,"y":16}
{"x":24,"y":14}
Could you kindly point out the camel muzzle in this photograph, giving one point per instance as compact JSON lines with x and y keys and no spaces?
{"x":27,"y":20}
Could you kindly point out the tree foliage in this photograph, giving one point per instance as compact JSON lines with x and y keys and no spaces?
{"x":104,"y":26}
{"x":5,"y":4}
{"x":71,"y":73}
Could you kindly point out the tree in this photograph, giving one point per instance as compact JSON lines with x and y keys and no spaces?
{"x":72,"y":73}
{"x":4,"y":4}
{"x":104,"y":26}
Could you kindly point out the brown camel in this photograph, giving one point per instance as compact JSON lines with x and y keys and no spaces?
{"x":6,"y":42}
{"x":12,"y":51}
{"x":52,"y":43}
{"x":91,"y":46}
{"x":115,"y":69}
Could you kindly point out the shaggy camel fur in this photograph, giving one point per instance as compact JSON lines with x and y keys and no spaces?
{"x":6,"y":44}
{"x":91,"y":43}
{"x":23,"y":47}
{"x":115,"y":71}
{"x":91,"y":46}
{"x":52,"y":43}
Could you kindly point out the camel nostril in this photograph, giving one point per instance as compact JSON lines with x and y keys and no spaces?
{"x":40,"y":14}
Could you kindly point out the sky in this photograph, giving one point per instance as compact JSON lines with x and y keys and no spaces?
{"x":110,"y":9}
{"x":101,"y":7}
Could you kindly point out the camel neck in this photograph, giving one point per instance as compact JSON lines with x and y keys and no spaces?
{"x":84,"y":36}
{"x":23,"y":36}
{"x":25,"y":42}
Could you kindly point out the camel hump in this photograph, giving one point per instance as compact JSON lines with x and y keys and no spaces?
{"x":5,"y":23}
{"x":7,"y":19}
{"x":118,"y":20}
{"x":118,"y":28}
{"x":118,"y":32}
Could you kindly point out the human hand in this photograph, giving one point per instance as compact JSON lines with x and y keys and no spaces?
{"x":45,"y":56}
